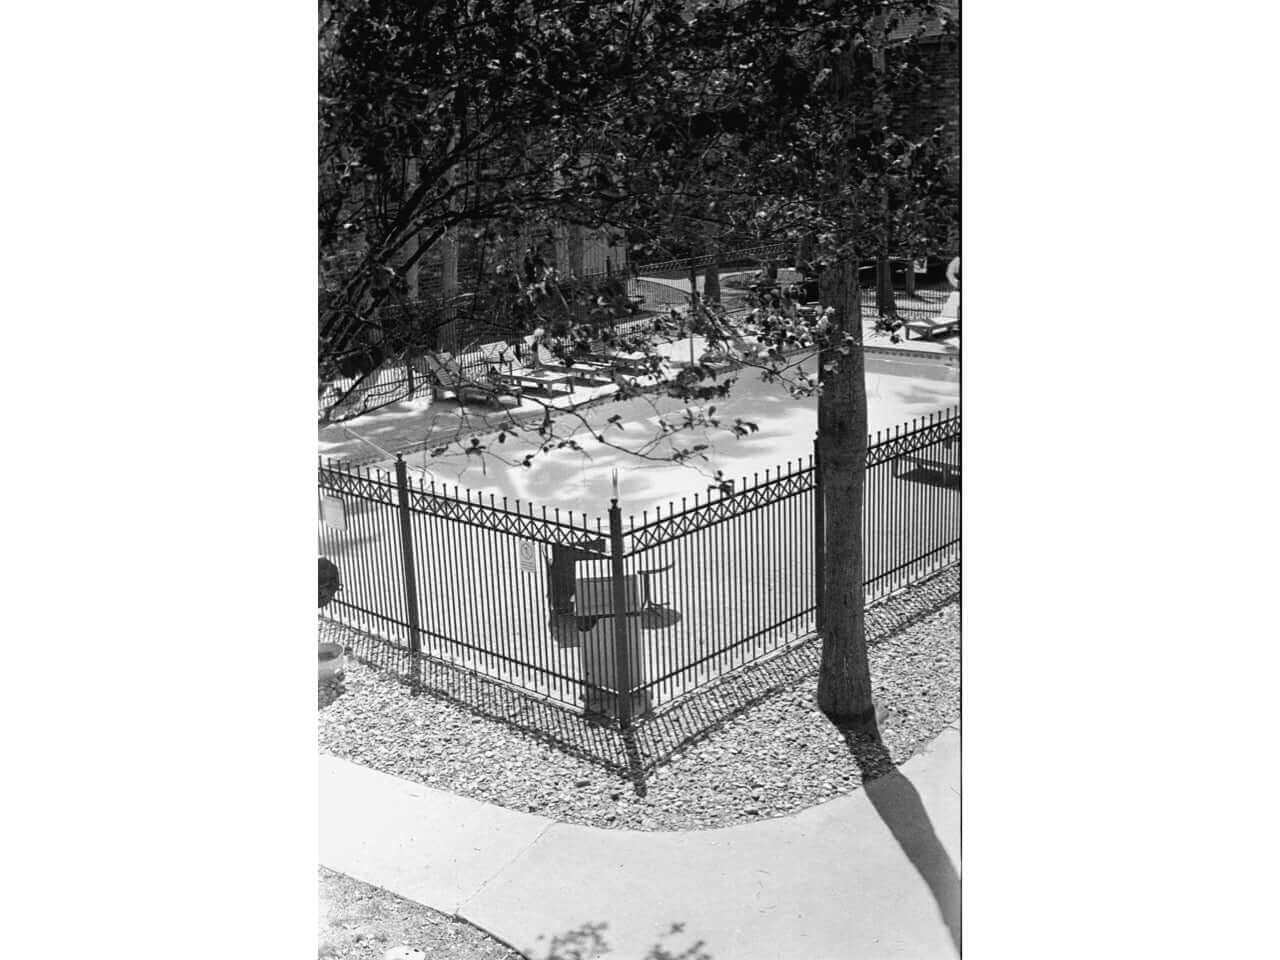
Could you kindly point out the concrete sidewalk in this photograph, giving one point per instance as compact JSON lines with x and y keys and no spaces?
{"x":867,"y":876}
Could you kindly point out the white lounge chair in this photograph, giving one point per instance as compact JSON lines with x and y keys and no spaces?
{"x":499,"y":354}
{"x":449,"y":378}
{"x":947,"y":321}
{"x":550,"y":382}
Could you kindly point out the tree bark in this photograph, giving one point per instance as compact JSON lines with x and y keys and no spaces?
{"x":576,"y":243}
{"x":844,"y":677}
{"x":576,"y":254}
{"x":411,"y":272}
{"x":711,"y":284}
{"x":885,"y":304}
{"x":445,"y":337}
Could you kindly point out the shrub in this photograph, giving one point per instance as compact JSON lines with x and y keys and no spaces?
{"x":330,"y":581}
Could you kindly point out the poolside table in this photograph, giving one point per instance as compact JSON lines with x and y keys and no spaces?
{"x":586,"y":374}
{"x":633,"y":363}
{"x":936,"y":464}
{"x":549,"y":382}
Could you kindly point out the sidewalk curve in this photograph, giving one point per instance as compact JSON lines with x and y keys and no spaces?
{"x":870,"y":875}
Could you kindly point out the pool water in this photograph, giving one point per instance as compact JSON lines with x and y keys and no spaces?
{"x":912,"y":367}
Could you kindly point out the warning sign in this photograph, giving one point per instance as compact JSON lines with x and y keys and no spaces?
{"x":527,"y":551}
{"x":333,"y":512}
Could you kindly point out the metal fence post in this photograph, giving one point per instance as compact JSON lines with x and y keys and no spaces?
{"x":622,"y":646}
{"x":406,"y":552}
{"x":819,"y":540}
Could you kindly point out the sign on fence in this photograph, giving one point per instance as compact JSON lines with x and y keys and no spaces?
{"x":920,"y":266}
{"x":527,"y":551}
{"x":333,"y":512}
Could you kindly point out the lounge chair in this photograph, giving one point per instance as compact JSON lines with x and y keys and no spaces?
{"x":500,"y":355}
{"x":942,"y":462}
{"x":449,"y":378}
{"x":529,"y":379}
{"x":948,"y":321}
{"x":586,"y":372}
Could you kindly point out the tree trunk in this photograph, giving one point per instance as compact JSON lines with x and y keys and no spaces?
{"x":575,"y":250}
{"x":445,"y":336}
{"x":576,"y":255}
{"x":412,"y":292}
{"x":885,"y":304}
{"x":804,"y":254}
{"x":711,"y":285}
{"x":844,"y":677}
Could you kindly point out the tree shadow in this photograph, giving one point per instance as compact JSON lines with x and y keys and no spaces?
{"x":931,"y":477}
{"x":588,"y":942}
{"x":900,"y":808}
{"x":635,"y":763}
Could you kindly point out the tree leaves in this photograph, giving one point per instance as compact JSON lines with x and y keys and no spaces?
{"x":727,"y":121}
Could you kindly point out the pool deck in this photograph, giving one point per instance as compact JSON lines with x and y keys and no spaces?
{"x":411,"y":425}
{"x":933,"y":349}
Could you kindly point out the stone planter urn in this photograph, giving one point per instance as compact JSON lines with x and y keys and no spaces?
{"x":332,"y":660}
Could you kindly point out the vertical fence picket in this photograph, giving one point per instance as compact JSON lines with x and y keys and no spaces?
{"x":819,"y":541}
{"x":406,"y":542}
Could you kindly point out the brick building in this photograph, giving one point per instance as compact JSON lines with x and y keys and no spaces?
{"x":934,"y":48}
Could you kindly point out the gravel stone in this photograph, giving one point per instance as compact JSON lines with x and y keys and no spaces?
{"x":706,"y":762}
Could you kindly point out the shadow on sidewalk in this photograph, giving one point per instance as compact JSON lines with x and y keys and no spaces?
{"x":588,"y":942}
{"x":898,"y":804}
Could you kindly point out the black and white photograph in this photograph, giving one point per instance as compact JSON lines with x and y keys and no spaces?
{"x":639,"y":482}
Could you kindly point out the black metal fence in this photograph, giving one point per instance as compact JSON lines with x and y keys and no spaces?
{"x":407,"y":375}
{"x":620,"y":619}
{"x":920,"y":290}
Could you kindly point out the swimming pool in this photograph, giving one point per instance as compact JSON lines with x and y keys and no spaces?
{"x":917,"y":365}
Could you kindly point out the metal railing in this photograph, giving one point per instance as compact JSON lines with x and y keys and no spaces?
{"x":623,"y":619}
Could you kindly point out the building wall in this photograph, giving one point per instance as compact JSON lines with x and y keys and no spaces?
{"x":940,"y":100}
{"x":936,"y":101}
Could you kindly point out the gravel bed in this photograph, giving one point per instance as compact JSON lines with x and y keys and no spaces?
{"x":751,"y":747}
{"x":362,"y":922}
{"x":331,"y":688}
